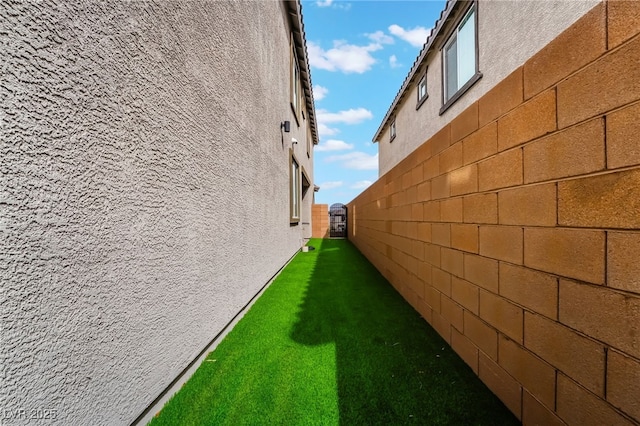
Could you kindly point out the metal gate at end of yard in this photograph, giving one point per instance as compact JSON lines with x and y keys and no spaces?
{"x":338,"y":221}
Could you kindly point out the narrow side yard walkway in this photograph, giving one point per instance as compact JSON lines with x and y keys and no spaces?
{"x":331,"y":342}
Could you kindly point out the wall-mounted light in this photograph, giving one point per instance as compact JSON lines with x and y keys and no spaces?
{"x":286,"y":125}
{"x":294,"y":141}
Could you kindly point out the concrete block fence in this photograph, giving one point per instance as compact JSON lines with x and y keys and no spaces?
{"x":320,"y":221}
{"x":515,"y":230}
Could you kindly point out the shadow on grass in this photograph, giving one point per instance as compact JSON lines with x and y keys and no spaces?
{"x":331,"y":342}
{"x":391,"y":366}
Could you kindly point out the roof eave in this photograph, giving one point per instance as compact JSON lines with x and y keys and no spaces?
{"x":294,"y":8}
{"x":428,"y":47}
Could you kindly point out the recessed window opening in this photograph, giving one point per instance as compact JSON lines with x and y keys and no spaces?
{"x":295,"y":97}
{"x":422,"y":90}
{"x":295,"y":189}
{"x":460,"y":61}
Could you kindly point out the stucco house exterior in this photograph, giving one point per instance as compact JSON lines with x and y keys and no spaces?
{"x":472,"y":47}
{"x":156,"y":161}
{"x":507,"y":211}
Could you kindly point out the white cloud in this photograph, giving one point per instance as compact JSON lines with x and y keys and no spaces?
{"x":362,"y":184}
{"x":319,"y":92}
{"x":333,"y":145}
{"x":344,"y":57}
{"x":393,"y":61}
{"x":324,"y":130}
{"x":350,"y":116}
{"x":335,"y":5}
{"x":317,"y":57}
{"x":381,"y":37}
{"x":416,"y":36}
{"x":331,"y":185}
{"x":356,"y":160}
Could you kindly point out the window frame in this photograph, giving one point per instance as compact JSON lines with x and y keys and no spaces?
{"x":453,"y":37}
{"x":393,"y":131}
{"x":422,"y":80}
{"x":295,"y":188}
{"x":304,"y":189}
{"x":295,"y":97}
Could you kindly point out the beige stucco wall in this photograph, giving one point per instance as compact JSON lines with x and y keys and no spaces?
{"x":144,"y":196}
{"x":509,"y":33}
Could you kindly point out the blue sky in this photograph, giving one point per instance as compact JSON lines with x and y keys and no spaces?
{"x":360,"y":53}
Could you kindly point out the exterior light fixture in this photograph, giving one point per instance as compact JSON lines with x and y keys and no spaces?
{"x":286,"y":125}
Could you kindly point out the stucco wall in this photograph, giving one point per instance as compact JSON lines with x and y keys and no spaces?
{"x":515,"y":229}
{"x":509,"y":33}
{"x":144,"y":195}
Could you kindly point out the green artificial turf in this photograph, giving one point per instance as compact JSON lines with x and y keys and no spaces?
{"x":331,"y":342}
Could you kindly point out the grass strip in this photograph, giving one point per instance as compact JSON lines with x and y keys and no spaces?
{"x":331,"y":342}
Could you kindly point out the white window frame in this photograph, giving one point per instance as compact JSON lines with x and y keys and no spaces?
{"x":464,"y":80}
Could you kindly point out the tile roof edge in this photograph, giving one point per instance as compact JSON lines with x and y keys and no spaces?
{"x":426,"y":49}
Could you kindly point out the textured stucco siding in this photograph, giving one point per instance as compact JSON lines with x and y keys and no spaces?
{"x":509,"y":33}
{"x":144,"y":195}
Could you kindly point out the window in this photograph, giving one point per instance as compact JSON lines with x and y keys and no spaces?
{"x":295,"y":83}
{"x":422,"y":91}
{"x":306,"y":182}
{"x":460,"y":59}
{"x":294,"y":190}
{"x":392,"y":131}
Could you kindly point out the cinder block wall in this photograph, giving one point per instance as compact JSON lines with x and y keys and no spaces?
{"x":320,"y":221}
{"x":514,"y":230}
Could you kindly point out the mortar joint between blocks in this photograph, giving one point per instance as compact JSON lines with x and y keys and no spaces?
{"x":606,"y":26}
{"x":606,"y":258}
{"x":606,"y":366}
{"x":555,"y":396}
{"x":604,"y":125}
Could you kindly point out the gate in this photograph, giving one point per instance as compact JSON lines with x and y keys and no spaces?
{"x":338,"y":221}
